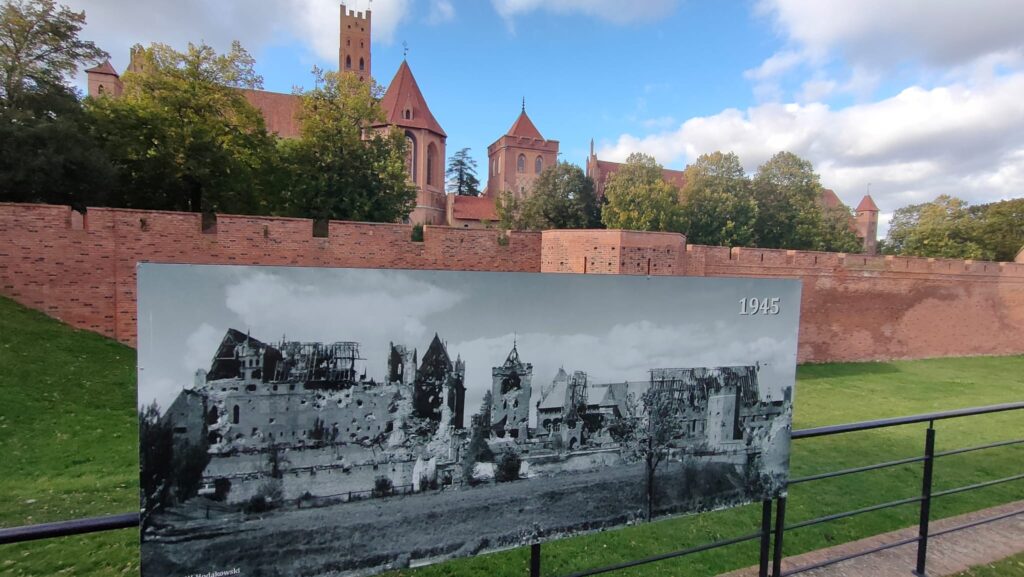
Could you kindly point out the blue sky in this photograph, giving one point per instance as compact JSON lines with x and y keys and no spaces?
{"x":914,"y":98}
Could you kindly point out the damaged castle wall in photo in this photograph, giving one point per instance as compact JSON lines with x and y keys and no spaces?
{"x":349,"y":421}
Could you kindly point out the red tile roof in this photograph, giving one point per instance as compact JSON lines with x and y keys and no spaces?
{"x":829,"y":199}
{"x":403,"y":93}
{"x":280,"y":111}
{"x":474,"y":208}
{"x":867,"y":204}
{"x":104,"y":68}
{"x":607,"y":168}
{"x":524,"y":127}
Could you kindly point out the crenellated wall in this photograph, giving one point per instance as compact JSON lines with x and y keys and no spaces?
{"x":854,"y":307}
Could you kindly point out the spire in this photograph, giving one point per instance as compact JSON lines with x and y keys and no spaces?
{"x":524,"y":104}
{"x":404,"y":94}
{"x":524,"y":126}
{"x":867,"y":204}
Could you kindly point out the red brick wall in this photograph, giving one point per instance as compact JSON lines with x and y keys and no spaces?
{"x":87,"y":277}
{"x":854,"y":307}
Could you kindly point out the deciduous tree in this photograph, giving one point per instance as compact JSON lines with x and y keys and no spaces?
{"x":787,"y":190}
{"x":638,"y":198}
{"x":717,"y":207}
{"x":347,"y":165}
{"x":943,"y":228}
{"x":183,"y":137}
{"x":561,"y":197}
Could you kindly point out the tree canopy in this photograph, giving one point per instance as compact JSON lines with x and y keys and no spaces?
{"x":348,"y":164}
{"x":40,"y":48}
{"x":638,"y":198}
{"x":717,"y":205}
{"x":948,"y":227}
{"x":561,"y":197}
{"x":182,"y":137}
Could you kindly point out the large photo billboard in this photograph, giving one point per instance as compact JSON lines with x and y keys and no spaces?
{"x":299,"y":421}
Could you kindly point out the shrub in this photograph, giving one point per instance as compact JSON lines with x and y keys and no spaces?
{"x":417,"y":233}
{"x":268,"y":496}
{"x":383,"y":486}
{"x":508,"y":467}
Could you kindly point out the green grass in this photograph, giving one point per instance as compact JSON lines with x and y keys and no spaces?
{"x":1009,"y":567}
{"x":69,"y":449}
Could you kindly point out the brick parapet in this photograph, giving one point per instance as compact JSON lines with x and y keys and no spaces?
{"x":854,"y":307}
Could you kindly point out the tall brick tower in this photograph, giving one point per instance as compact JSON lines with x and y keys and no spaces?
{"x":354,"y":51}
{"x":516,"y":159}
{"x":867,"y":224}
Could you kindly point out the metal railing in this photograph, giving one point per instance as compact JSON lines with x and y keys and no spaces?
{"x":771,"y":551}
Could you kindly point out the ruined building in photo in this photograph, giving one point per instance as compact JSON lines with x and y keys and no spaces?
{"x":440,"y":382}
{"x":510,"y":397}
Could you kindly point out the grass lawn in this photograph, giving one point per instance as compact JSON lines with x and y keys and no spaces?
{"x":1011,"y":567}
{"x":69,"y":448}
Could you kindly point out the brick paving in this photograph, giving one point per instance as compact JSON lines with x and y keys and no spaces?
{"x":947,"y":554}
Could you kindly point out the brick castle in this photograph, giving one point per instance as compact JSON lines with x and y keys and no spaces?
{"x":514,"y":160}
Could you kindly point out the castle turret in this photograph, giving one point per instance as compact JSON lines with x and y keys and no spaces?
{"x":867,"y":224}
{"x":104,"y":81}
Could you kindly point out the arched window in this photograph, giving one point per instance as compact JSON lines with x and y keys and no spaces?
{"x":410,"y":156}
{"x":235,"y":415}
{"x":521,"y":163}
{"x":431,"y":161}
{"x":348,"y":62}
{"x":102,"y":89}
{"x":407,"y":114}
{"x":362,"y":64}
{"x":538,"y":165}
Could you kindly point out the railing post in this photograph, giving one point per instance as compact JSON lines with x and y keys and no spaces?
{"x":766,"y":536}
{"x":780,"y":531}
{"x":926,"y":500}
{"x":535,"y":560}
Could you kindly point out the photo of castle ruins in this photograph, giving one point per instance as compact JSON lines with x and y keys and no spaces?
{"x":347,"y":457}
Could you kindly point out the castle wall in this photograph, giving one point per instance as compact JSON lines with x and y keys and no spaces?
{"x":854,"y":307}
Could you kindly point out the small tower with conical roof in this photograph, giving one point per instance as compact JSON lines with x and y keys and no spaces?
{"x":867,"y":224}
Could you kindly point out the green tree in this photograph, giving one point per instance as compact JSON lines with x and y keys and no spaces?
{"x":638,"y":198}
{"x":717,"y":207}
{"x":461,"y":173}
{"x":183,"y":137}
{"x":348,"y":164}
{"x":46,"y":153}
{"x":787,"y":190}
{"x":943,"y":228}
{"x":836,"y":233}
{"x":40,"y":48}
{"x":561,"y":197}
{"x":511,"y":212}
{"x":1001,"y":228}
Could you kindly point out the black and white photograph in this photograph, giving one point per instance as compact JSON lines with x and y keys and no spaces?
{"x":329,"y":422}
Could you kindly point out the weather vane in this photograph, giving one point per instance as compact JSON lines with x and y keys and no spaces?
{"x":405,"y":49}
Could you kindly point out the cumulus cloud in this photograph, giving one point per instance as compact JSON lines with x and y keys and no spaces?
{"x":116,"y":25}
{"x":873,"y":31}
{"x":609,"y":10}
{"x":960,"y":139}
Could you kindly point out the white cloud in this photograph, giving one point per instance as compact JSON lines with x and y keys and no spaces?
{"x":609,"y":10}
{"x":958,"y":139}
{"x":115,"y":26}
{"x":881,"y":32}
{"x":441,"y":11}
{"x":775,"y":65}
{"x":200,"y":347}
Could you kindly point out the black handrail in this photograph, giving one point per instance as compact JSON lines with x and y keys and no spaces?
{"x":129,"y":520}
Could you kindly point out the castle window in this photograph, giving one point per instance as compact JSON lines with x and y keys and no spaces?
{"x":521,"y":163}
{"x":102,"y":89}
{"x":362,"y":64}
{"x":348,"y":43}
{"x":407,"y":114}
{"x":538,"y":165}
{"x":348,"y":62}
{"x":410,"y":156}
{"x":431,"y":161}
{"x":234,"y":415}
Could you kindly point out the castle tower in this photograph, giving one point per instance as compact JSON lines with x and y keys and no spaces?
{"x":104,"y":81}
{"x":405,"y":107}
{"x":516,"y":159}
{"x":510,"y":397}
{"x":867,"y":224}
{"x":354,"y":44}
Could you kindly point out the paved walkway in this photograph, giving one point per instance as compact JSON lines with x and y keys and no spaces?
{"x":947,"y":554}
